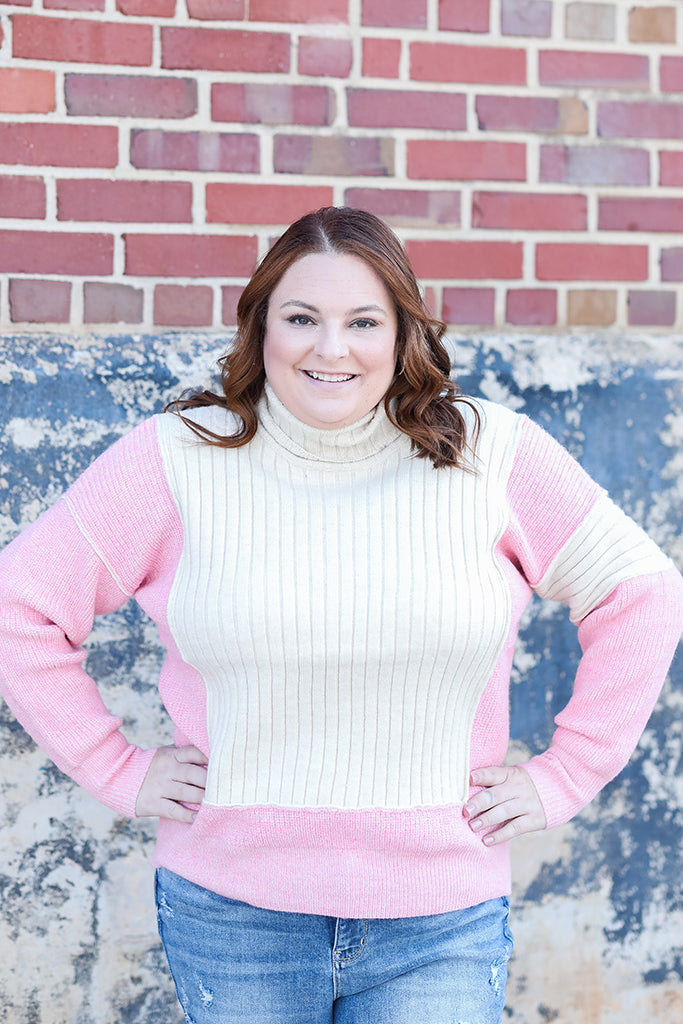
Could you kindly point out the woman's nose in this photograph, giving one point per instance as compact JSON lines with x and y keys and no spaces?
{"x":330,"y":342}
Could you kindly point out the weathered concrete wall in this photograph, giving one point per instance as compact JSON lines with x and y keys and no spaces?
{"x":598,"y":904}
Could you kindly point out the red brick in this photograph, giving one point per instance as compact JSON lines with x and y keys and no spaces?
{"x":469,"y":306}
{"x":59,"y":145}
{"x":595,"y":165}
{"x":143,"y":201}
{"x":670,"y":168}
{"x":190,"y":255}
{"x":194,"y":151}
{"x":55,"y":252}
{"x":587,"y":261}
{"x":450,"y":62}
{"x":527,"y":18}
{"x":130,"y":96}
{"x":17,"y":3}
{"x":531,"y":307}
{"x":408,"y":206}
{"x":672,"y":264}
{"x":469,"y":160}
{"x":652,"y":25}
{"x":651,"y":309}
{"x":79,"y":40}
{"x":532,"y":114}
{"x":406,"y":108}
{"x":645,"y":119}
{"x":297,"y":11}
{"x":224,"y":49}
{"x":381,"y":58}
{"x":230,"y":296}
{"x":39,"y":302}
{"x":526,"y":211}
{"x":329,"y":57}
{"x":183,"y":306}
{"x":464,"y":16}
{"x":651,"y":213}
{"x":232,"y":203}
{"x":338,"y":154}
{"x":600,"y":70}
{"x":216,"y":10}
{"x":22,"y":196}
{"x":147,"y":8}
{"x":26,"y":91}
{"x":73,"y":5}
{"x":105,"y":303}
{"x":398,"y":13}
{"x":261,"y":103}
{"x":452,"y":260}
{"x":671,"y":74}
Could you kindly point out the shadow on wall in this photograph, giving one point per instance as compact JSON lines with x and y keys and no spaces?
{"x":76,"y":917}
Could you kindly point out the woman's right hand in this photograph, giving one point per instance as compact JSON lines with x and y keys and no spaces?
{"x":176,"y":776}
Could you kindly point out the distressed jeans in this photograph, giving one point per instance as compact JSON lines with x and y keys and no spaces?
{"x":232,"y":962}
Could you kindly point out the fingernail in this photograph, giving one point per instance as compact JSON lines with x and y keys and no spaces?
{"x":487,"y":840}
{"x":476,"y":825}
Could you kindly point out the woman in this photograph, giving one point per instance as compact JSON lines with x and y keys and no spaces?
{"x":337,"y":551}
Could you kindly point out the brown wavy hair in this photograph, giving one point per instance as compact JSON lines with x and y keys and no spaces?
{"x":422,"y":400}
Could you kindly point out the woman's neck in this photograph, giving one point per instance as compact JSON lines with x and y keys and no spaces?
{"x":354,"y":443}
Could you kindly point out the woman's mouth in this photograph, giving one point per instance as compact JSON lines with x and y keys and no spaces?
{"x":330,"y":378}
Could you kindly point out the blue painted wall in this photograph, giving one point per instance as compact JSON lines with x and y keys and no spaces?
{"x":598,"y":905}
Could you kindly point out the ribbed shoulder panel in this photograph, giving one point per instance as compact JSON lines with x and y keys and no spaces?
{"x":607,"y":549}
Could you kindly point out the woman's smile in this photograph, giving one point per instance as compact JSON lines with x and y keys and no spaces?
{"x":330,"y":378}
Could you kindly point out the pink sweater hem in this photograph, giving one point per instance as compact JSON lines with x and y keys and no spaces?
{"x":341,"y":863}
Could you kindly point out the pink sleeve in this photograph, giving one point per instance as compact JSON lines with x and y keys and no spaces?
{"x":82,"y":558}
{"x":572,"y":544}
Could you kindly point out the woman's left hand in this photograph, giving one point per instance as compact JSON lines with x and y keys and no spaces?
{"x":509,"y":803}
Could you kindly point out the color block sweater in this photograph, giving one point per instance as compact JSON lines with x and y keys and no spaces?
{"x":339,"y":620}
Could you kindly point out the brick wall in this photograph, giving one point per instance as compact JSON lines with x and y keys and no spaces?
{"x":529,"y":152}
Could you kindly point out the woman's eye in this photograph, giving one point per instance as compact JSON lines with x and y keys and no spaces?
{"x":299,"y":318}
{"x":364,"y":323}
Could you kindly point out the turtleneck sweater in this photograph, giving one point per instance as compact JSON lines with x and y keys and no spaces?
{"x":339,"y":620}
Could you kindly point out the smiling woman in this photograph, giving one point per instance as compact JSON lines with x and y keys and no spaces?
{"x":338,"y":571}
{"x":420,"y":398}
{"x":329,"y":350}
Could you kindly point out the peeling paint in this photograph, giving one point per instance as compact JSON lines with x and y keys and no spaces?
{"x":205,"y":994}
{"x":597,"y":905}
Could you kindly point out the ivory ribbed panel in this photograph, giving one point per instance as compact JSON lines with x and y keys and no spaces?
{"x":344,"y":625}
{"x":606,"y":549}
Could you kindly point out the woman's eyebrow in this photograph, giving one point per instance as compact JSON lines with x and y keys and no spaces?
{"x":298,"y":302}
{"x":314,"y":309}
{"x":371,"y":308}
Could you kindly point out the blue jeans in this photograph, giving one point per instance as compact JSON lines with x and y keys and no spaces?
{"x":232,"y":962}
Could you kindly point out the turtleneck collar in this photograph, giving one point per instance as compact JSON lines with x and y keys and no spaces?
{"x":361,"y":440}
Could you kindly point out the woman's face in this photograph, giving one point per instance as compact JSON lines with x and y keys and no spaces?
{"x":330,"y":344}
